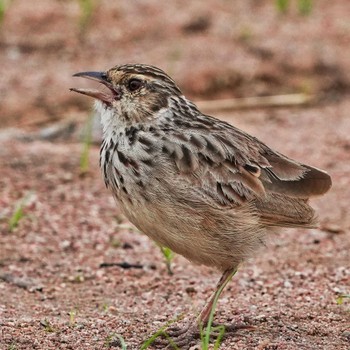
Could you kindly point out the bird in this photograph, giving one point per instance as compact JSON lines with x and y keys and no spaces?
{"x":191,"y":182}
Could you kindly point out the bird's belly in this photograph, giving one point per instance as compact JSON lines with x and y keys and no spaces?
{"x":207,"y":237}
{"x":174,"y":216}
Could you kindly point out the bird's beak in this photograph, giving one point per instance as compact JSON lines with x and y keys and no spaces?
{"x":102,"y":78}
{"x":98,"y":76}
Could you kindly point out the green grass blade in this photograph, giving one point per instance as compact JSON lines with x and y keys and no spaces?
{"x":221,"y":330}
{"x":209,"y":327}
{"x":122,"y":342}
{"x":18,"y":213}
{"x":169,"y":256}
{"x":12,"y":346}
{"x":151,"y":339}
{"x":202,"y":335}
{"x":305,"y":7}
{"x":341,"y":297}
{"x":162,"y":332}
{"x":2,"y":10}
{"x":112,"y":342}
{"x":4,"y":5}
{"x":282,"y":5}
{"x":86,"y":10}
{"x":72,"y":317}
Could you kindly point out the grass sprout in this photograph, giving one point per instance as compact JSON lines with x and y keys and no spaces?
{"x":205,"y":334}
{"x":162,"y":332}
{"x":18,"y":213}
{"x":305,"y":7}
{"x":169,"y":256}
{"x":105,"y":307}
{"x":220,"y":330}
{"x":122,"y":342}
{"x":282,"y":5}
{"x":72,"y":317}
{"x":245,"y":34}
{"x":86,"y":11}
{"x":4,"y":5}
{"x":341,"y":297}
{"x":47,"y":326}
{"x":115,"y":340}
{"x":12,"y":346}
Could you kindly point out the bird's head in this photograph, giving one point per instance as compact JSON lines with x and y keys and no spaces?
{"x":135,"y":92}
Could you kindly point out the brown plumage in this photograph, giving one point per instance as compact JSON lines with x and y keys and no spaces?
{"x":191,"y":182}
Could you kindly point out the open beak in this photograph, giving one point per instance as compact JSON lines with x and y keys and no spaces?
{"x":101,"y":77}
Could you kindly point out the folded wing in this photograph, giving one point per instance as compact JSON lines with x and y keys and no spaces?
{"x":232,"y":168}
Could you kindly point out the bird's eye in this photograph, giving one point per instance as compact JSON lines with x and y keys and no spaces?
{"x":134,"y":84}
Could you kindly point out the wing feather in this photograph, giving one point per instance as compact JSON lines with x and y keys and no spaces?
{"x":232,"y":168}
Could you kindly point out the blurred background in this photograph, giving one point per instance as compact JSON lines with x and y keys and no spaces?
{"x":213,"y":49}
{"x":74,"y":274}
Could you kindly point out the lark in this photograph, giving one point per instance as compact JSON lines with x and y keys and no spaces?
{"x":189,"y":181}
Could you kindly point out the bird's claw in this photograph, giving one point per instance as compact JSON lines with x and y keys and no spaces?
{"x":186,"y":336}
{"x":178,"y":337}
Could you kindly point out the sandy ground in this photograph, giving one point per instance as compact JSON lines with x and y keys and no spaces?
{"x":51,"y":263}
{"x":55,"y":292}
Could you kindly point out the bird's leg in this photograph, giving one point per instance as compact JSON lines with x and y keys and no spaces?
{"x":207,"y":314}
{"x":186,"y":336}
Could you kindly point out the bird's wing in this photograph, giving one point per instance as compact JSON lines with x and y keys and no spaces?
{"x":232,"y":167}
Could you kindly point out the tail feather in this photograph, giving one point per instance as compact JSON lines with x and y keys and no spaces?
{"x":280,"y":210}
{"x":294,"y":179}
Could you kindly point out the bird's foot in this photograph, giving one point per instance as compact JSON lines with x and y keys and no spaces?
{"x":181,"y":336}
{"x":187,"y":335}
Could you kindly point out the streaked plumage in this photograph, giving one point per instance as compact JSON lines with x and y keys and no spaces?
{"x":191,"y":182}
